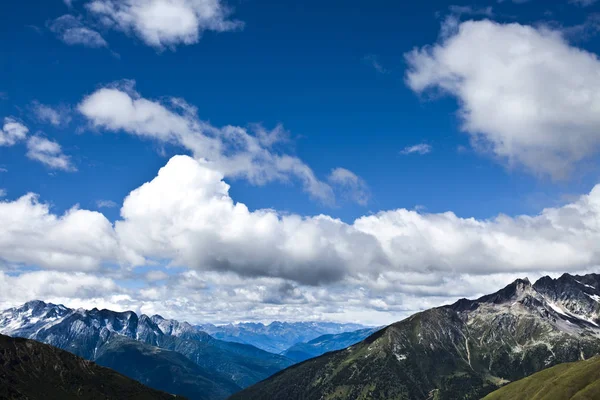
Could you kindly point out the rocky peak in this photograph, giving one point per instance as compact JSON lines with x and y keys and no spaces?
{"x":33,"y":304}
{"x":513,"y":292}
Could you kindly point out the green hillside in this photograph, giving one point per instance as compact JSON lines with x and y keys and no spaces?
{"x":578,"y":381}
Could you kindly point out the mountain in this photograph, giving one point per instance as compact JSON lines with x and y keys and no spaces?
{"x":276,"y":337}
{"x":464,"y":350}
{"x":168,"y":370}
{"x":87,"y":333}
{"x":326,"y":343}
{"x":32,"y":370}
{"x":577,"y":381}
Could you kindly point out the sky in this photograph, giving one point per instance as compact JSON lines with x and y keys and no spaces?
{"x":243,"y":160}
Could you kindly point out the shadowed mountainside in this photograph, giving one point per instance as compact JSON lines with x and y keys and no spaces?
{"x":33,"y":370}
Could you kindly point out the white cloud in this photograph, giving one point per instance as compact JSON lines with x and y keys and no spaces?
{"x":52,"y":286}
{"x":52,"y":115}
{"x":73,"y":31}
{"x":421,"y":149}
{"x":526,"y":95}
{"x":265,"y":265}
{"x":232,"y":150}
{"x":12,"y":132}
{"x":33,"y":236}
{"x":351,"y":185}
{"x":165,"y":23}
{"x":215,"y":236}
{"x":106,"y":204}
{"x":48,"y":153}
{"x":186,"y":214}
{"x":2,"y":192}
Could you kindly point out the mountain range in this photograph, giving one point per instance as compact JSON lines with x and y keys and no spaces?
{"x":277,"y":336}
{"x":199,"y":366}
{"x":32,"y":370}
{"x":174,"y":356}
{"x":464,"y":350}
{"x":326,"y":343}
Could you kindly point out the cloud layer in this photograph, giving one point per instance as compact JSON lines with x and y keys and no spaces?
{"x":525,"y":94}
{"x":397,"y":261}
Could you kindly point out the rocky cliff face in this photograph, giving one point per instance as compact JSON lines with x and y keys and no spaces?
{"x":464,"y":350}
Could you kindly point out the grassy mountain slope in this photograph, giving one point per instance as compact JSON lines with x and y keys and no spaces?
{"x":33,"y":370}
{"x":569,"y":381}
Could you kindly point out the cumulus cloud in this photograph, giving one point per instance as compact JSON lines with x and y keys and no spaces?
{"x":381,"y":265}
{"x":287,"y":246}
{"x":34,"y":236}
{"x":165,"y":23}
{"x":12,"y":132}
{"x":235,"y":151}
{"x":73,"y":31}
{"x":54,"y":286}
{"x":2,"y":192}
{"x":48,"y":153}
{"x":353,"y":186}
{"x":500,"y":73}
{"x":421,"y":149}
{"x":186,"y":215}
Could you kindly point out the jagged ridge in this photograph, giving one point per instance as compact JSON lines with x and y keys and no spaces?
{"x":87,"y":333}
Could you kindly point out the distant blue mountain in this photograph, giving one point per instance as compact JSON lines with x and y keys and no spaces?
{"x":276,"y":337}
{"x":326,"y":343}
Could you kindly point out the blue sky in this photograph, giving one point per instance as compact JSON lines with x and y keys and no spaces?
{"x":318,"y":82}
{"x":336,"y":77}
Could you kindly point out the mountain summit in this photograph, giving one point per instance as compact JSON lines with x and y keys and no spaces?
{"x":464,"y":350}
